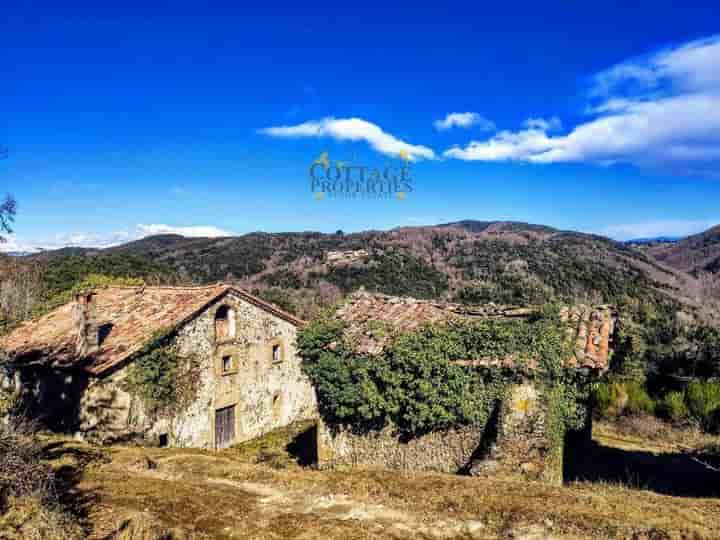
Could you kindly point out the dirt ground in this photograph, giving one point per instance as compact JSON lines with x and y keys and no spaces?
{"x":266,"y":490}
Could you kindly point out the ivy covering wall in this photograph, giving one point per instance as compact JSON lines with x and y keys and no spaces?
{"x":164,"y":381}
{"x":415,"y":385}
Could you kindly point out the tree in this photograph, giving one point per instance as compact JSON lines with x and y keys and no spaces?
{"x":7,"y":216}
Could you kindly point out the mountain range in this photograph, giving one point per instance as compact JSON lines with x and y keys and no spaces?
{"x":466,"y":261}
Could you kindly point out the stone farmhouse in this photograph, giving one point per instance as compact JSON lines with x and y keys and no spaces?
{"x":241,"y":373}
{"x":242,"y":376}
{"x":518,"y":443}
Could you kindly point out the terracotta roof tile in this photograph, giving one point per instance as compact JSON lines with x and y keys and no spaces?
{"x":590,"y":328}
{"x":132,"y":314}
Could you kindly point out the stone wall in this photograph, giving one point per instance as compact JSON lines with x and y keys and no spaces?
{"x":265,"y":394}
{"x":515,"y":443}
{"x":443,"y":451}
{"x":524,"y":446}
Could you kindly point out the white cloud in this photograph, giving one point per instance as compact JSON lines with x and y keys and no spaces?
{"x":651,"y":229}
{"x":464,"y":120}
{"x":106,"y":240}
{"x":662,"y":110}
{"x":353,"y":129}
{"x":507,"y":145}
{"x":204,"y":231}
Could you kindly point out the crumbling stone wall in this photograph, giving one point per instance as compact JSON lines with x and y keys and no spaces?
{"x":516,"y":442}
{"x":524,"y":446}
{"x":442,"y":451}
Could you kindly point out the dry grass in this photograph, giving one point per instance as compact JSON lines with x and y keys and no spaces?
{"x":648,"y":432}
{"x":31,"y":518}
{"x":238,"y":493}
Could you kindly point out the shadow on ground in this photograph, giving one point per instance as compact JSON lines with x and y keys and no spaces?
{"x":303,"y":447}
{"x":678,"y":474}
{"x":70,"y":462}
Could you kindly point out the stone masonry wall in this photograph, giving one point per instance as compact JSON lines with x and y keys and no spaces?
{"x":443,"y":451}
{"x":266,"y":394}
{"x":522,"y":447}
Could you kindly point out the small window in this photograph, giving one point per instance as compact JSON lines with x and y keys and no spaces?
{"x":276,"y":353}
{"x":277,"y":407}
{"x":163,"y":440}
{"x":224,"y":323}
{"x":227,"y":363}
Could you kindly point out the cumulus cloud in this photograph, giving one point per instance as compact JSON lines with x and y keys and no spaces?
{"x":106,"y":240}
{"x":662,"y":110}
{"x":464,"y":120}
{"x":652,"y":229}
{"x":353,"y":129}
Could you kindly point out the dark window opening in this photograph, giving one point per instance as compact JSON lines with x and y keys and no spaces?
{"x":104,"y":331}
{"x":227,"y":364}
{"x":224,"y":323}
{"x":276,"y":353}
{"x":163,"y":440}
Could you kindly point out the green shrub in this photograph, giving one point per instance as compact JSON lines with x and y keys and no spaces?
{"x":673,"y":407}
{"x":639,"y":401}
{"x":613,"y":399}
{"x":703,"y":402}
{"x":609,"y":399}
{"x":414,"y":383}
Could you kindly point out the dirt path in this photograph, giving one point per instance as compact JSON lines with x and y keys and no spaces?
{"x":264,"y":501}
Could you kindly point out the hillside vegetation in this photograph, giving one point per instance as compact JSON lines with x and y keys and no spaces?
{"x":467,"y":261}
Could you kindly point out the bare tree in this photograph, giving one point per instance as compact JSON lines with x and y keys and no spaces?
{"x":7,"y":216}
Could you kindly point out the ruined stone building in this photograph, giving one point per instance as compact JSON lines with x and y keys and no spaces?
{"x":237,"y":365}
{"x":519,"y":444}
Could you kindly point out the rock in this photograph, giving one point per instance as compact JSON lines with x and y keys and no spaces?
{"x":143,"y":463}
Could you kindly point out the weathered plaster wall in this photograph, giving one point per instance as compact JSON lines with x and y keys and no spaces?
{"x":266,"y":394}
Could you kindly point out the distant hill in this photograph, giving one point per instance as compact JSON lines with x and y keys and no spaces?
{"x":697,"y":253}
{"x":654,"y":240}
{"x":467,"y":261}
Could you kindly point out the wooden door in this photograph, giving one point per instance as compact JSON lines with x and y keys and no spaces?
{"x":224,"y":427}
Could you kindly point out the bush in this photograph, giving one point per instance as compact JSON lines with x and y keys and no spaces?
{"x":29,"y":504}
{"x":609,"y":399}
{"x":414,"y":384}
{"x":613,"y":399}
{"x":674,"y":408}
{"x":21,"y":472}
{"x":639,"y":402}
{"x":703,"y":403}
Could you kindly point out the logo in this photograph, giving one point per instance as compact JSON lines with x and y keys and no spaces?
{"x":350,"y":179}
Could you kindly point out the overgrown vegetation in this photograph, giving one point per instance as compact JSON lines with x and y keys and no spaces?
{"x":664,"y":364}
{"x":416,"y":386}
{"x":153,"y":372}
{"x":29,"y":506}
{"x":165,"y":382}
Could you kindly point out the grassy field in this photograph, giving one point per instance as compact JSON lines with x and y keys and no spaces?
{"x":259,"y":490}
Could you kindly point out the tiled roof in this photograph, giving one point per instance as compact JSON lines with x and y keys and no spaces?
{"x":589,"y":328}
{"x":135,"y":313}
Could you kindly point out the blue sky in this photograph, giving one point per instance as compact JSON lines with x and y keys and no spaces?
{"x":203,"y":118}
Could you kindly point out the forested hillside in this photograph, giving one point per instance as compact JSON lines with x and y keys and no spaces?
{"x":697,"y":253}
{"x":467,"y":261}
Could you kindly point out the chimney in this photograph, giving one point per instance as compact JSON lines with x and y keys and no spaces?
{"x":88,"y":334}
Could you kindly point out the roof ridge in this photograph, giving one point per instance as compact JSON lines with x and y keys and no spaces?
{"x":165,"y":287}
